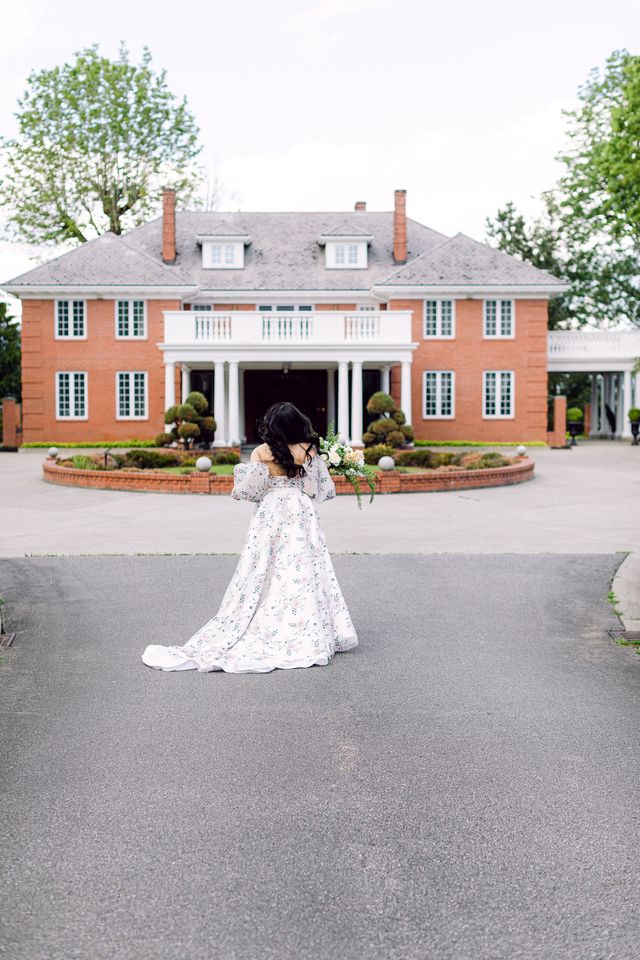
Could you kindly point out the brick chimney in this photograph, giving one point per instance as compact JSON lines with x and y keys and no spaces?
{"x":168,"y":226}
{"x":360,"y":206}
{"x":400,"y":226}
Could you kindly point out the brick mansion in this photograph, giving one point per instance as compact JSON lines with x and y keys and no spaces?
{"x":321,"y":309}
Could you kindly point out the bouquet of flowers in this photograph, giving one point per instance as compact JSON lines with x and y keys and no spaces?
{"x":347,"y":462}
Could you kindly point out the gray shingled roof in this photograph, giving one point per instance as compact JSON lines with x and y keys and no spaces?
{"x":284,"y":254}
{"x":462,"y":261}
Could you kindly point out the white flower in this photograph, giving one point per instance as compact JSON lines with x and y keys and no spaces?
{"x":334,"y":457}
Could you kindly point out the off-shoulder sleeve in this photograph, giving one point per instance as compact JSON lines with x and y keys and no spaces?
{"x":250,"y":481}
{"x":317,"y":482}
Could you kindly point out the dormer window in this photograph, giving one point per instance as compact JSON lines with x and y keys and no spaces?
{"x":223,"y":251}
{"x":346,"y":248}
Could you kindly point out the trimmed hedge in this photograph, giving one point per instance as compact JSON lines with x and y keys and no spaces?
{"x":480,"y":443}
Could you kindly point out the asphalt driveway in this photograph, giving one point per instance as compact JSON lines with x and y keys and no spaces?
{"x":462,"y":785}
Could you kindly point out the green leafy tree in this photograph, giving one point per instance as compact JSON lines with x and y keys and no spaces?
{"x":589,"y":234}
{"x":97,"y":138}
{"x":10,"y":380}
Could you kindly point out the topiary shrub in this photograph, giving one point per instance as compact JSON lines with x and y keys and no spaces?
{"x":163,"y":439}
{"x":390,"y":428}
{"x":634,"y":414}
{"x":225,"y":456}
{"x":191,"y":421}
{"x":188,"y":432}
{"x":199,"y":402}
{"x":373,"y":454}
{"x":574,"y":415}
{"x":380,"y":403}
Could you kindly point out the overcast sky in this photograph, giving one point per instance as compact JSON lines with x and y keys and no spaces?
{"x":314,"y":104}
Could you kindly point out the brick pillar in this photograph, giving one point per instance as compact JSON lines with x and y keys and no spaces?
{"x":400,"y":226}
{"x":558,"y":437}
{"x":10,"y":423}
{"x":168,"y":226}
{"x":587,"y":419}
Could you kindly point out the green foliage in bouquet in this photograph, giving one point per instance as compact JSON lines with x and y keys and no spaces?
{"x":342,"y":460}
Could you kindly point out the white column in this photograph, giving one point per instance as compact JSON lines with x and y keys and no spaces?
{"x":186,"y":382}
{"x":331,"y":396}
{"x":343,"y":398}
{"x":219,"y":413}
{"x":619,"y":407}
{"x":602,"y":426}
{"x":234,"y":404}
{"x":169,"y":389}
{"x":593,"y":429}
{"x":635,"y":398}
{"x":385,"y":379}
{"x":356,"y":402}
{"x":243,"y":436}
{"x":405,"y":390}
{"x":626,"y":404}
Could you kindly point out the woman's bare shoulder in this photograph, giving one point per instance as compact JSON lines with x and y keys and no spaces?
{"x":300,"y":451}
{"x":261,"y":453}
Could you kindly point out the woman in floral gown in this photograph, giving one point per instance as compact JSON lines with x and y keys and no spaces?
{"x":283,"y":607}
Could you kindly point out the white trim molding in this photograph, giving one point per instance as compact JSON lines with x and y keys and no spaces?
{"x":439,"y":398}
{"x":70,"y":319}
{"x":72,"y":398}
{"x":443,"y":317}
{"x":498,"y":394}
{"x":130,"y":319}
{"x":130,"y":396}
{"x":504,"y":309}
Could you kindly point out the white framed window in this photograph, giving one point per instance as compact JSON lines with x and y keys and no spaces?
{"x":71,"y":395}
{"x":223,"y":256}
{"x":285,"y":307}
{"x":347,"y":255}
{"x":438,"y":395}
{"x":131,"y":320}
{"x":71,"y":320}
{"x":439,"y":320}
{"x":131,"y":395}
{"x":499,"y":320}
{"x":498,"y":401}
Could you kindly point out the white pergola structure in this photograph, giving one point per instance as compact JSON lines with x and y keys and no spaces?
{"x":232,"y":342}
{"x":610,"y":357}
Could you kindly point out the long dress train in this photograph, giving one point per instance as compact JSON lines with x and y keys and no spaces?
{"x":283,"y":607}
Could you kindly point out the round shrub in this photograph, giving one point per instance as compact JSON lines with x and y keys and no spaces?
{"x":634,"y":414}
{"x":368,"y":438}
{"x":399,"y":417}
{"x":187,"y":413}
{"x":198,"y":401}
{"x":208,"y":427}
{"x":380,"y":428}
{"x":225,"y":456}
{"x":171,"y":414}
{"x":407,"y":430}
{"x":574,"y":415}
{"x":395,"y":438}
{"x":417,"y":458}
{"x":188,"y":431}
{"x":163,"y":439}
{"x":380,"y":403}
{"x":374,"y":453}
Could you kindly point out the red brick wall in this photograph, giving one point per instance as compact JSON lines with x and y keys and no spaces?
{"x":468,"y":355}
{"x":100,"y":355}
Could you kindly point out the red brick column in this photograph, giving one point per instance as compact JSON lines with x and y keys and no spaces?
{"x":10,"y":422}
{"x":558,"y":436}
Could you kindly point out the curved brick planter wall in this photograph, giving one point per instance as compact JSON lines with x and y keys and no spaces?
{"x":159,"y":482}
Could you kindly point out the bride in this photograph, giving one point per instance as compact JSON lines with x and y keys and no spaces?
{"x":283,"y":607}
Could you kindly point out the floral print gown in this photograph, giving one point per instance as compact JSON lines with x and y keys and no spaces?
{"x":283,"y":607}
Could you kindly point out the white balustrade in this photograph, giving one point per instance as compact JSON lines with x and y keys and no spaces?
{"x":249,"y":327}
{"x":582,"y":345}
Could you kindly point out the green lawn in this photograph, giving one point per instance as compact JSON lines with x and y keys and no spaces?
{"x":222,"y":469}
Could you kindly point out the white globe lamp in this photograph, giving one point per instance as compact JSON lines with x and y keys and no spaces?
{"x":203,"y":464}
{"x":386,"y":463}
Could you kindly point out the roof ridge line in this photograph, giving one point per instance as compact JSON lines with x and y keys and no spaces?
{"x":415,"y":260}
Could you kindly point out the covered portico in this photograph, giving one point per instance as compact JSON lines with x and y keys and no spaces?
{"x":341,"y":348}
{"x":610,"y":358}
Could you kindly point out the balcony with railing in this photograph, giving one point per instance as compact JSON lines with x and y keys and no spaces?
{"x":586,"y":350}
{"x":314,"y":328}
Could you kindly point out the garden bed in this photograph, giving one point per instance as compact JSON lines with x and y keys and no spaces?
{"x":393,"y":481}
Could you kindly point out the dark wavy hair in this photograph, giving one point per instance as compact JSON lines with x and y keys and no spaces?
{"x":281,"y":425}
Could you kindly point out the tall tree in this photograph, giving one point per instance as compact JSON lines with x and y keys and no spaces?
{"x":97,"y":138}
{"x":589,"y":234}
{"x":10,"y":381}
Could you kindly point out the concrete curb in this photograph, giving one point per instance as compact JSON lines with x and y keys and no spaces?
{"x":626,"y":586}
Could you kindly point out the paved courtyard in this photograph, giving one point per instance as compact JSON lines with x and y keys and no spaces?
{"x":583,"y":500}
{"x":462,"y":786}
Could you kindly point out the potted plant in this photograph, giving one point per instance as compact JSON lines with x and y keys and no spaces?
{"x":634,"y":420}
{"x":574,"y":422}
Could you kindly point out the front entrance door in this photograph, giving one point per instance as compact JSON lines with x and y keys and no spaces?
{"x":307,"y":389}
{"x":202,"y":381}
